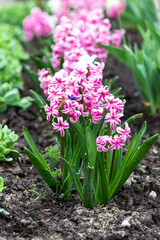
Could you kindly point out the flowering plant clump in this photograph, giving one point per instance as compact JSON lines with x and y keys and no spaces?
{"x":86,"y":118}
{"x":74,"y":38}
{"x":37,"y":24}
{"x":115,"y":8}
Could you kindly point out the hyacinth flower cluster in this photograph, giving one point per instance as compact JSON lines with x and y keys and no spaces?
{"x":76,"y":38}
{"x":115,"y":8}
{"x":37,"y":24}
{"x":60,"y":8}
{"x":63,"y":7}
{"x":81,"y":93}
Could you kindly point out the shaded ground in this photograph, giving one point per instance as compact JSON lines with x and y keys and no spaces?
{"x":45,"y":217}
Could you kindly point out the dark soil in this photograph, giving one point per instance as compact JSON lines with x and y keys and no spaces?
{"x":46,"y":217}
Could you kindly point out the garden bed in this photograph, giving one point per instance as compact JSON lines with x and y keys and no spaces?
{"x":45,"y":217}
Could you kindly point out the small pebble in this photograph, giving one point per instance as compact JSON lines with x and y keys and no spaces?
{"x":125,"y":223}
{"x":153,"y":194}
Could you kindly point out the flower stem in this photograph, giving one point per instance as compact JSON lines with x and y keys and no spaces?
{"x":108,"y":154}
{"x":62,"y":139}
{"x":62,"y":152}
{"x":112,"y":165}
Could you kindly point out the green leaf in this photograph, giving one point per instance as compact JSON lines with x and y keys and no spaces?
{"x":74,"y":177}
{"x":39,"y":62}
{"x":111,"y":82}
{"x":125,"y":56}
{"x":81,"y":136}
{"x":38,"y":100}
{"x":66,"y":180}
{"x":25,"y":102}
{"x":33,"y":148}
{"x":102,"y":184}
{"x":91,"y":147}
{"x":89,"y":199}
{"x":14,"y":154}
{"x":116,"y":91}
{"x":34,"y":77}
{"x":137,"y":157}
{"x":45,"y":173}
{"x":132,"y":119}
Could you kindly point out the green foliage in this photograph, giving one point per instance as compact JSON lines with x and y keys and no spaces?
{"x":15,"y":13}
{"x":52,"y":156}
{"x":80,"y":155}
{"x":9,"y":96}
{"x":145,"y":65}
{"x":11,"y":55}
{"x":7,"y":143}
{"x":100,"y":185}
{"x":1,"y":186}
{"x":138,"y":10}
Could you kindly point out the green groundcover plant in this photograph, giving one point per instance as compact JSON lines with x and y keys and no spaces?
{"x":145,"y":66}
{"x":14,"y":13}
{"x":10,"y":96}
{"x":11,"y":55}
{"x":85,"y":116}
{"x":7,"y":143}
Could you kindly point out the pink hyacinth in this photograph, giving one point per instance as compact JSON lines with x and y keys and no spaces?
{"x":81,"y":93}
{"x":125,"y":132}
{"x":37,"y":24}
{"x":60,"y":126}
{"x":115,"y":8}
{"x":76,"y":37}
{"x":117,"y":142}
{"x":113,"y":118}
{"x":103,"y":143}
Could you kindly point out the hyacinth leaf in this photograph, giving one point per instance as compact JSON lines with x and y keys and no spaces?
{"x":132,"y":119}
{"x":61,"y":63}
{"x":34,"y":149}
{"x":81,"y":136}
{"x":139,"y":138}
{"x":137,"y":157}
{"x":74,"y":177}
{"x":154,"y":33}
{"x":111,"y":82}
{"x":76,"y":155}
{"x":34,"y":77}
{"x":101,"y":181}
{"x":66,"y":180}
{"x":135,"y":144}
{"x":119,"y":173}
{"x":91,"y":147}
{"x":38,"y":100}
{"x":116,"y":91}
{"x":117,"y":162}
{"x":125,"y":56}
{"x":89,"y":199}
{"x":45,"y":173}
{"x":1,"y":186}
{"x":39,"y":63}
{"x":97,"y":127}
